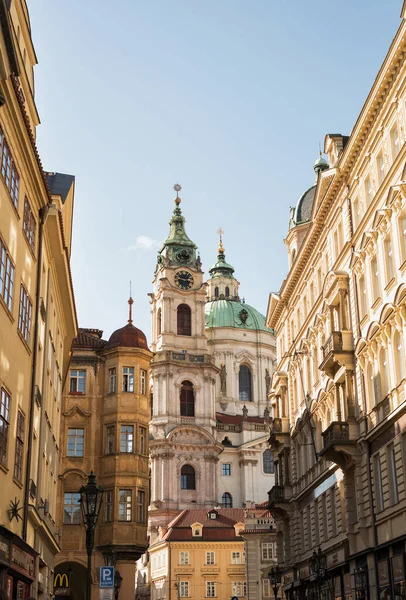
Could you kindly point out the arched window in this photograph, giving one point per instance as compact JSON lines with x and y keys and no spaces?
{"x":227,"y":500}
{"x":245,"y":384}
{"x":187,"y":399}
{"x":267,"y":460}
{"x":187,"y":478}
{"x":184,"y":320}
{"x":216,"y":292}
{"x":159,"y":322}
{"x":227,"y":292}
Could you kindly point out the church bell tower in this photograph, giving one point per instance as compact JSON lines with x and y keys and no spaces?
{"x":184,"y":451}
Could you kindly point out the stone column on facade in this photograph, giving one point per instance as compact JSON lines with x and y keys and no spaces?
{"x":337,"y":393}
{"x":331,"y":314}
{"x":349,"y":390}
{"x":343,"y":309}
{"x":283,"y":400}
{"x":277,"y":406}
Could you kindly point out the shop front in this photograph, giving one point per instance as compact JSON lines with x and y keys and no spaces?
{"x":21,"y":571}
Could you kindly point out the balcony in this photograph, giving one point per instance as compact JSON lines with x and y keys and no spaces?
{"x":339,"y":443}
{"x":278,"y":499}
{"x":278,"y":433}
{"x":338,"y":352}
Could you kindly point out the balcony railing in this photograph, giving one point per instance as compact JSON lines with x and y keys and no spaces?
{"x":337,"y":432}
{"x":276,"y":494}
{"x":333,"y":344}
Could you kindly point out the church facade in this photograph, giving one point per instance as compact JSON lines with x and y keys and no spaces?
{"x":212,"y":365}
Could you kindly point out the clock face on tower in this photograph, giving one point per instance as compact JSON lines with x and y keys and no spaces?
{"x":183,"y":280}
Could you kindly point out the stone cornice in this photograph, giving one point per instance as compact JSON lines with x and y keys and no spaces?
{"x":387,"y":74}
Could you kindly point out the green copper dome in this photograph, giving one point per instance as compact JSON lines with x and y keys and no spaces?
{"x":229,"y":313}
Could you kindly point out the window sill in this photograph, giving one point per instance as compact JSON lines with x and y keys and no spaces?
{"x":73,"y":457}
{"x":4,"y":468}
{"x":77,"y":393}
{"x":18,"y":483}
{"x":390,"y":285}
{"x":376,"y":303}
{"x":6,"y":308}
{"x":22,"y":338}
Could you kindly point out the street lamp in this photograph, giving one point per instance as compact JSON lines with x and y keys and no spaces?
{"x":117,"y":583}
{"x":91,"y":497}
{"x":275,"y":575}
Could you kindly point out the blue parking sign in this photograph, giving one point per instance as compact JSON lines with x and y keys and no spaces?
{"x":106,"y":577}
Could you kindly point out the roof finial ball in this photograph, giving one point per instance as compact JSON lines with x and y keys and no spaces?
{"x":220,"y":248}
{"x":177,"y":187}
{"x":320,"y":165}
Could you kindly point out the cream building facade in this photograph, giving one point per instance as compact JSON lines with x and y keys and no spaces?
{"x":339,"y":406}
{"x":37,"y":321}
{"x":213,"y":360}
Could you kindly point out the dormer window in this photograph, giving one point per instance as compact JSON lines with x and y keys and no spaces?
{"x":197,"y":529}
{"x":213,"y":514}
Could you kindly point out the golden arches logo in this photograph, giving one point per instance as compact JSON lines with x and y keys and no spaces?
{"x":61,"y":580}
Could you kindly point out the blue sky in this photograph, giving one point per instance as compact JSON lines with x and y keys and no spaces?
{"x":230,"y":98}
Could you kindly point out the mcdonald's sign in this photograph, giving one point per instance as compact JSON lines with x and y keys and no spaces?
{"x":61,"y":584}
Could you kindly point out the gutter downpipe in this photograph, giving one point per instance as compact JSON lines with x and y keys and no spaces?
{"x":43,"y":212}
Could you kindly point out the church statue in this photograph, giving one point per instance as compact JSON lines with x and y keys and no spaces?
{"x":267,"y":382}
{"x":266,"y":414}
{"x":244,"y":413}
{"x":223,"y":380}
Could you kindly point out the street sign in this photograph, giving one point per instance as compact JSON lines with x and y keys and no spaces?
{"x":106,"y":577}
{"x":106,"y":594}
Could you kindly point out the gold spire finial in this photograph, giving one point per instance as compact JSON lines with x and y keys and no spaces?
{"x":177,"y":187}
{"x":130,"y":307}
{"x":220,"y":248}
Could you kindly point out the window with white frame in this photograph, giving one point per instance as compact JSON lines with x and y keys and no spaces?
{"x":127,"y":438}
{"x":402,"y":238}
{"x":128,"y":379}
{"x":141,"y":506}
{"x":210,"y":589}
{"x":266,"y":588}
{"x":108,"y":506}
{"x":236,"y":558}
{"x":25,"y":314}
{"x":6,"y":276}
{"x":76,"y":439}
{"x":110,"y":439}
{"x":210,"y":558}
{"x":380,"y":167}
{"x":184,"y":589}
{"x":237,"y":588}
{"x":267,"y":550}
{"x":183,"y":558}
{"x":143,"y":382}
{"x":125,"y":505}
{"x":393,"y":478}
{"x":394,"y":141}
{"x":368,"y":190}
{"x":400,"y":359}
{"x":112,"y":380}
{"x":379,"y":500}
{"x":142,"y":440}
{"x":374,"y":278}
{"x":389,"y":258}
{"x":362,"y":291}
{"x":77,"y":383}
{"x":71,"y":508}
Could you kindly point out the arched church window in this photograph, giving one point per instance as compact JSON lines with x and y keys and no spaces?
{"x":245,"y":384}
{"x":187,"y":478}
{"x":187,"y":399}
{"x":184,"y":320}
{"x":216,"y":292}
{"x":159,"y":322}
{"x":227,"y":292}
{"x":267,"y":461}
{"x":227,"y":500}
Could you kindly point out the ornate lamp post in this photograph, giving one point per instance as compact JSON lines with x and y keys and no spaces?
{"x":91,"y":497}
{"x":110,"y":559}
{"x":361,"y":582}
{"x":117,"y":583}
{"x":275,"y":575}
{"x":318,"y":568}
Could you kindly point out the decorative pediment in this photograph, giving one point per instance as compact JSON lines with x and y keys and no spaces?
{"x":186,"y":434}
{"x":245,"y":357}
{"x":333,"y":283}
{"x":76,"y":409}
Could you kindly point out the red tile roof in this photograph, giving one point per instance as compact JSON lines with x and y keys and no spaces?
{"x":89,"y":338}
{"x":221,"y":528}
